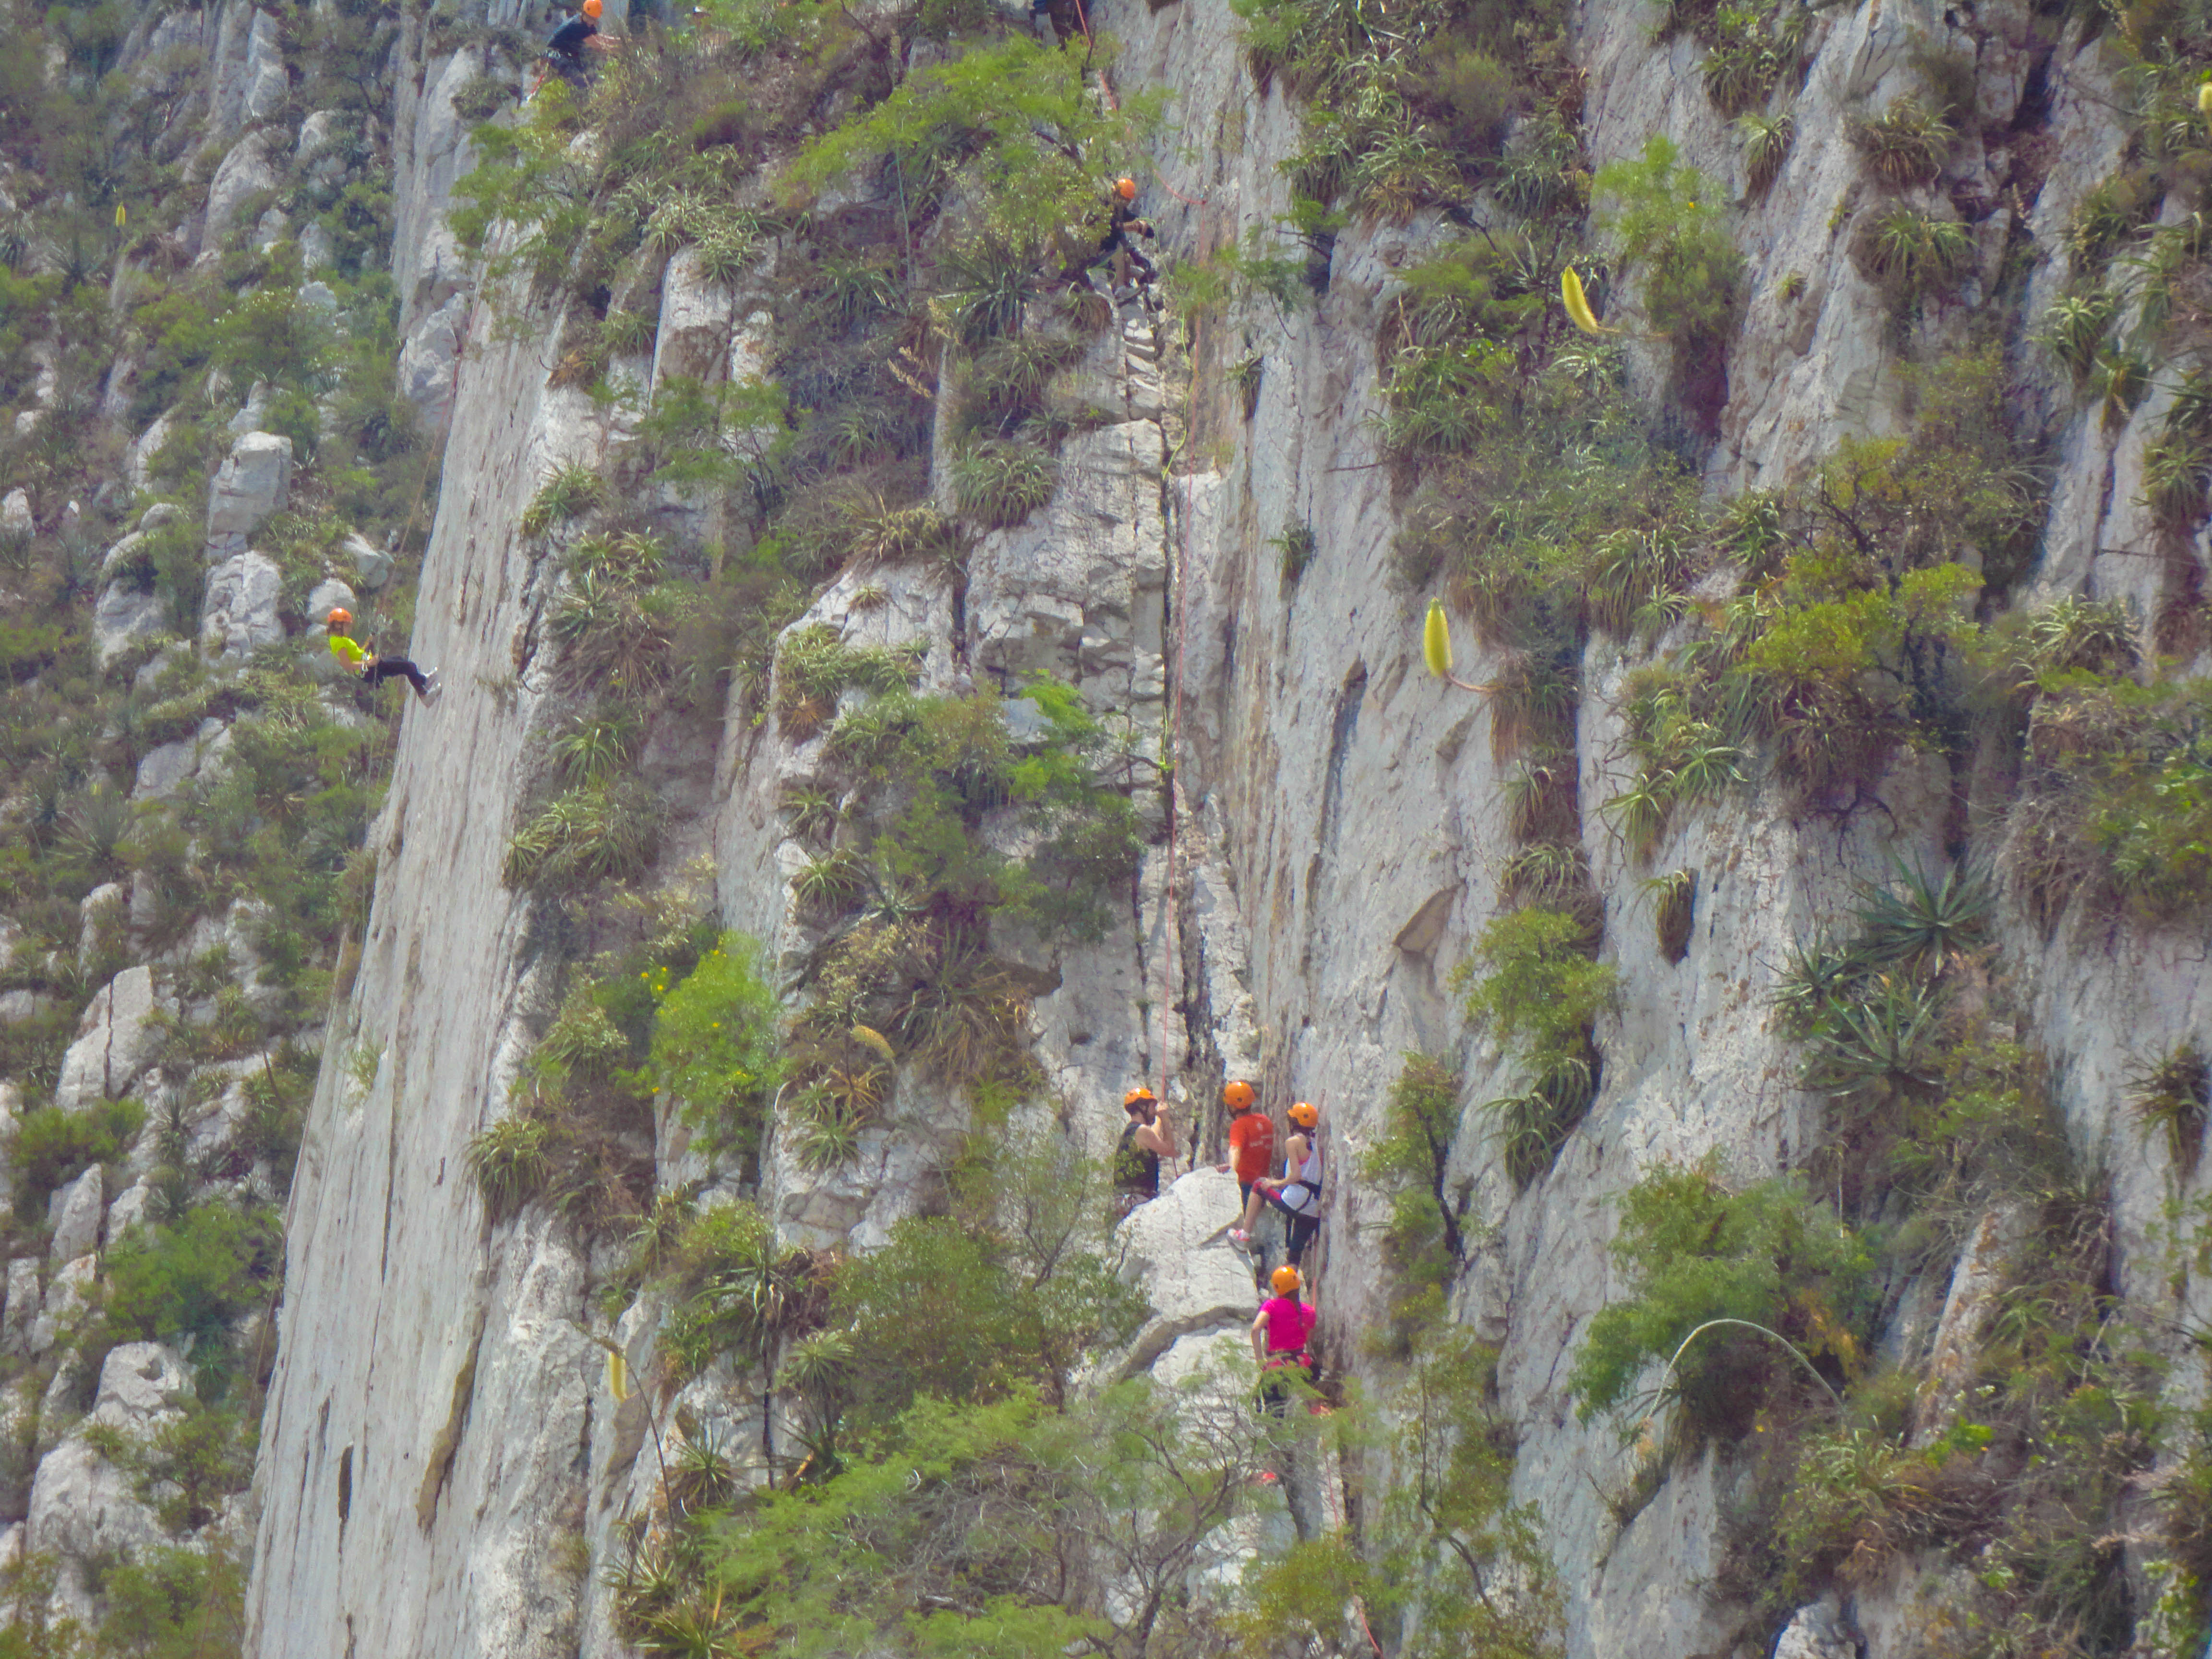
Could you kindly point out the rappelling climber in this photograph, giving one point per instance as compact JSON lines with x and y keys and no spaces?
{"x":1280,"y":1332}
{"x":373,"y":668}
{"x":1137,"y":1157}
{"x":1297,"y":1194}
{"x":1251,"y":1138}
{"x":1121,"y":222}
{"x":579,"y":35}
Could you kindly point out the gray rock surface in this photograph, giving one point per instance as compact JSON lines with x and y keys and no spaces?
{"x":24,"y":1298}
{"x":1817,"y":1632}
{"x":116,"y":1041}
{"x":254,"y":480}
{"x":123,"y":615}
{"x":74,"y":1211}
{"x":15,"y":512}
{"x":246,"y":171}
{"x":327,"y":595}
{"x":238,"y":614}
{"x":372,"y":565}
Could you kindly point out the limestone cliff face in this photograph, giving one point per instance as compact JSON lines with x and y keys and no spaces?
{"x":437,"y":1416}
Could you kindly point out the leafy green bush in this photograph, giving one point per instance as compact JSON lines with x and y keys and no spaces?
{"x":1667,"y":217}
{"x":1425,"y":1242}
{"x":52,"y":1147}
{"x":174,"y":1601}
{"x":193,"y":1279}
{"x":1694,"y":1250}
{"x":1539,"y":993}
{"x":715,"y":1042}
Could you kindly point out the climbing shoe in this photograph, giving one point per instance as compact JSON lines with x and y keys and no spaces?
{"x":432,"y":689}
{"x":1240,"y":1238}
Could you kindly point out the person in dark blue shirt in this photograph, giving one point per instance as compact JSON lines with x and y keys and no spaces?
{"x":573,"y":39}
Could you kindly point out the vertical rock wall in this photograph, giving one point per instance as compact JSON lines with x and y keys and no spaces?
{"x":1341,"y":823}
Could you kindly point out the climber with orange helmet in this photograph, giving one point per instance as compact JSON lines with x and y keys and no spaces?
{"x":1137,"y":1156}
{"x":1297,"y":1194}
{"x":1251,"y":1137}
{"x":1122,"y":222}
{"x":579,"y":35}
{"x":373,"y":668}
{"x":1280,"y":1332}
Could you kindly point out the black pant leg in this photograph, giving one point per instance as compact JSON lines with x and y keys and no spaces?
{"x":386,"y":667}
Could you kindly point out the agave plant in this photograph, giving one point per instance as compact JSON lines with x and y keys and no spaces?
{"x":2168,"y":1097}
{"x":1886,"y":1040}
{"x":1817,"y":973}
{"x":1921,"y":921}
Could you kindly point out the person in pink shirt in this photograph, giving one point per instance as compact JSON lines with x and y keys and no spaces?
{"x":1280,"y":1334}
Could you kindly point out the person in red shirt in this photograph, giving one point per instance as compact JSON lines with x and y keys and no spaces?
{"x":1251,"y":1137}
{"x":1280,"y":1332}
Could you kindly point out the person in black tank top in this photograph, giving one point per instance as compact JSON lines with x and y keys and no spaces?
{"x":1137,"y":1155}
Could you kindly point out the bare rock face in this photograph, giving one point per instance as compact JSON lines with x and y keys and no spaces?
{"x":246,"y":171}
{"x":116,"y":1041}
{"x":240,"y":608}
{"x":426,"y":360}
{"x":1817,"y":1632}
{"x":24,"y":1297}
{"x":74,"y":1211}
{"x":125,"y":614}
{"x":252,"y":482}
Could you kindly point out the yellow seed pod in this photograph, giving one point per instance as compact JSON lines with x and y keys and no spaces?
{"x":1577,"y":303}
{"x":1435,"y":642}
{"x":2204,"y":101}
{"x":618,"y":1375}
{"x":875,"y":1040}
{"x":119,"y":215}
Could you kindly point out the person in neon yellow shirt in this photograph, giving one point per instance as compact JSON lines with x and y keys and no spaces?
{"x":373,"y":668}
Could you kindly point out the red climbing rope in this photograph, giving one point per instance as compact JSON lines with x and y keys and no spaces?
{"x":1179,"y":590}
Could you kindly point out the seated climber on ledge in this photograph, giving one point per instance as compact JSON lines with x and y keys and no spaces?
{"x":373,"y":668}
{"x":1137,"y":1158}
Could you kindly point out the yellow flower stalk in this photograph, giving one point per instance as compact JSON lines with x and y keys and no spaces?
{"x":1577,"y":303}
{"x":1435,"y":641}
{"x":2204,"y":101}
{"x":875,"y":1040}
{"x":1436,"y":647}
{"x":618,"y":1375}
{"x":119,"y":215}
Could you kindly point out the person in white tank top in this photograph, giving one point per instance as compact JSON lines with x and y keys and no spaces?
{"x":1297,"y":1194}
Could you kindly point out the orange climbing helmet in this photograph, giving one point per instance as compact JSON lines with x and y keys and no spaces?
{"x":592,"y":9}
{"x":1306,"y":1114}
{"x":339,"y":617}
{"x":1126,"y":189}
{"x":1140,"y":1096}
{"x":1285,"y":1280}
{"x":1236,"y":1096}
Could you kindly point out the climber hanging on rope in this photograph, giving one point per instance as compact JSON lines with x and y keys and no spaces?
{"x":1251,"y":1138}
{"x":1297,"y":1194}
{"x":1280,"y":1334}
{"x":373,"y":668}
{"x":1121,"y":222}
{"x":1115,"y":249}
{"x":1137,"y":1157}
